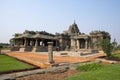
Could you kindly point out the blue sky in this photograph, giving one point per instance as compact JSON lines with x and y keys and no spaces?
{"x":53,"y":16}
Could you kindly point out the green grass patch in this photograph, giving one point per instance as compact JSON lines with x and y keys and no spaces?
{"x":8,"y":64}
{"x":106,"y":72}
{"x":116,"y":56}
{"x":89,"y":66}
{"x":117,"y":52}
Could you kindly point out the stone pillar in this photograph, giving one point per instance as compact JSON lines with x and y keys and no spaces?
{"x":89,"y":45}
{"x":41,"y":42}
{"x":86,"y":44}
{"x":15,"y":42}
{"x":71,"y":43}
{"x":75,"y":44}
{"x":78,"y":44}
{"x":25,"y":42}
{"x":61,"y":42}
{"x":50,"y":52}
{"x":56,"y":43}
{"x":36,"y":43}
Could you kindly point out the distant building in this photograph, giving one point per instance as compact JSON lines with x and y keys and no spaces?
{"x":5,"y":45}
{"x":71,"y":39}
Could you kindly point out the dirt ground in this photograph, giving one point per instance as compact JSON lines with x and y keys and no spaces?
{"x":50,"y":76}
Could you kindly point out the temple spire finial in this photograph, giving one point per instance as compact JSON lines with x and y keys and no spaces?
{"x":74,"y":21}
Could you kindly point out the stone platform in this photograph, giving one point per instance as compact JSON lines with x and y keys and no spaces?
{"x":41,"y":59}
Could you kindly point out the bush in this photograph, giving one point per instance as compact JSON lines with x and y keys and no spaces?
{"x":107,"y":47}
{"x":1,"y":46}
{"x":88,"y":67}
{"x":115,"y":56}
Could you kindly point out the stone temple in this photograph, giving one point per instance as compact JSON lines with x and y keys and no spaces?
{"x":70,"y":40}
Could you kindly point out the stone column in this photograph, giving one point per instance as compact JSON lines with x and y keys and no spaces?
{"x":50,"y":52}
{"x":41,"y":42}
{"x":75,"y":44}
{"x":15,"y":41}
{"x":36,"y":43}
{"x":61,"y":44}
{"x":78,"y":44}
{"x":86,"y":43}
{"x":71,"y":43}
{"x":25,"y":42}
{"x":56,"y":43}
{"x":89,"y":45}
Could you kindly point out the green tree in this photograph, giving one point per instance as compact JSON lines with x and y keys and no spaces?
{"x":118,"y":47}
{"x":107,"y":47}
{"x":11,"y":41}
{"x":1,"y":46}
{"x":114,"y":44}
{"x":17,"y":34}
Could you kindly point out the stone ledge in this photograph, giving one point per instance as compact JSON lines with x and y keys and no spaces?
{"x":52,"y":70}
{"x":63,"y":53}
{"x":107,"y":61}
{"x":37,"y":71}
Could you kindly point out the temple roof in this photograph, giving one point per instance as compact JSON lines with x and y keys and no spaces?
{"x":32,"y":34}
{"x":43,"y":36}
{"x":73,"y":29}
